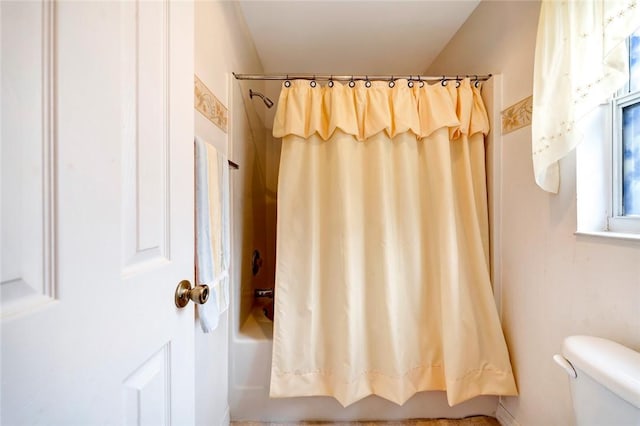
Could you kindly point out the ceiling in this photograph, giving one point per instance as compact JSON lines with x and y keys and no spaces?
{"x":352,"y":37}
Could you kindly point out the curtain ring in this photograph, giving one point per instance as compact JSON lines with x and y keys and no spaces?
{"x":421,"y":82}
{"x":287,"y":83}
{"x":330,"y":83}
{"x":457,"y":81}
{"x":410,"y":83}
{"x":392,"y":82}
{"x":367,"y":83}
{"x":477,"y":82}
{"x":443,"y":81}
{"x":352,"y":83}
{"x":313,"y":82}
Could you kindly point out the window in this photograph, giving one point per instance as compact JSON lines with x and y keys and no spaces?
{"x":608,"y":161}
{"x":625,"y":106}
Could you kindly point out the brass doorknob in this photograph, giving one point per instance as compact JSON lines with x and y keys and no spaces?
{"x":199,"y":294}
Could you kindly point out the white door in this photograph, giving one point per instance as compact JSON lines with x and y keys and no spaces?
{"x":97,"y":212}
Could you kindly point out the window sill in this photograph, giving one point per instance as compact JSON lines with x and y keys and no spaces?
{"x":609,"y":235}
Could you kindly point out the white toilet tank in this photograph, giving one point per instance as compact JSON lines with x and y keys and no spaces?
{"x":605,"y":381}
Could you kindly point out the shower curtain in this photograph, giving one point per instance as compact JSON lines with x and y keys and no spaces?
{"x":382,"y":270}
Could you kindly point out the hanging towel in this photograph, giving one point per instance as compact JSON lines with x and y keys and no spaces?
{"x":212,"y":231}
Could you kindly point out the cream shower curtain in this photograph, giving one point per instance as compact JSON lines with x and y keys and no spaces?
{"x":382,"y":276}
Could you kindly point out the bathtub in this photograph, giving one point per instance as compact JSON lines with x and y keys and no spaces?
{"x":249,"y":375}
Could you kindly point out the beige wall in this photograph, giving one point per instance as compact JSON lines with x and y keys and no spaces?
{"x":222,"y":45}
{"x":554,"y":283}
{"x":273,"y":148}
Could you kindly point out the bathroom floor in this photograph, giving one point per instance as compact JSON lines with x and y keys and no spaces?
{"x":468,"y":421}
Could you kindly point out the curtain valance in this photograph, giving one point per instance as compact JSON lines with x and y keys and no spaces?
{"x":363,"y":111}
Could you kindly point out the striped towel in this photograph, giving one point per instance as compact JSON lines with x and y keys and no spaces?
{"x":213,"y":247}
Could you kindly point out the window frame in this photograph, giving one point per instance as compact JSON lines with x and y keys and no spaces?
{"x":616,"y":220}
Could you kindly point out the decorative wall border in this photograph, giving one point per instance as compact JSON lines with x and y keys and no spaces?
{"x":209,"y":106}
{"x":517,"y":115}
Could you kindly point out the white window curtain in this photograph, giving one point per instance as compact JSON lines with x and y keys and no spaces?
{"x":580,"y":61}
{"x":382,"y":276}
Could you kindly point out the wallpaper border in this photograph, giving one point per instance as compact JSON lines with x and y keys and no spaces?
{"x":208,"y":105}
{"x":517,"y":115}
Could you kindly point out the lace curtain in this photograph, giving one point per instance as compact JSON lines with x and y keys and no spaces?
{"x":580,"y":61}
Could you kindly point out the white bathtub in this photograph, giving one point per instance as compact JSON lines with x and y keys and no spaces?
{"x":250,"y":364}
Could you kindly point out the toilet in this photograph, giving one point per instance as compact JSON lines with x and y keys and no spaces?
{"x":605,"y":381}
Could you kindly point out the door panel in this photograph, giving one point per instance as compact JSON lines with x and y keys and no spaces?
{"x":147,"y":392}
{"x":27,"y":254}
{"x":146,"y":135}
{"x":97,"y":207}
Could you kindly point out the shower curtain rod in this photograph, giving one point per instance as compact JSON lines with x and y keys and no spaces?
{"x":328,"y":77}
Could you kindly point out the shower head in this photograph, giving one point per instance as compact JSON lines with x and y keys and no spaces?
{"x":268,"y":102}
